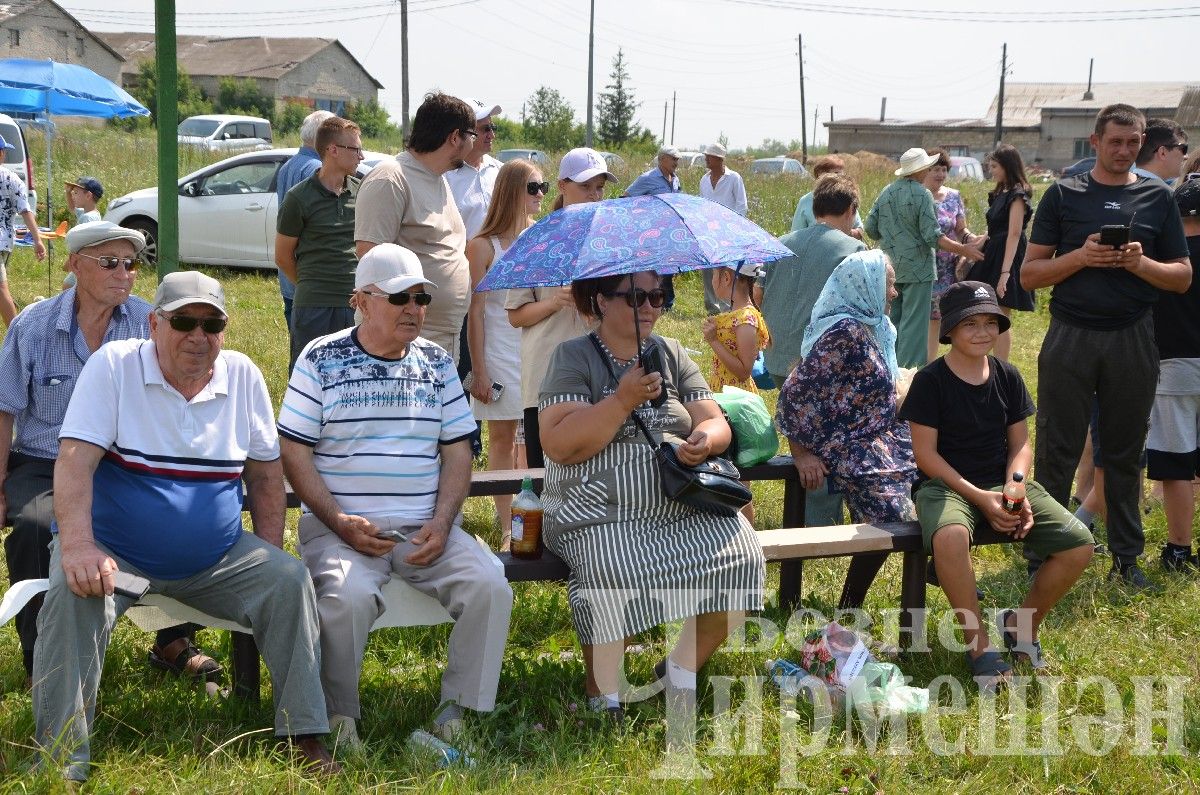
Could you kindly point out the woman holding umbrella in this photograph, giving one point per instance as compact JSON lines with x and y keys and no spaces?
{"x":606,"y":514}
{"x":546,"y":315}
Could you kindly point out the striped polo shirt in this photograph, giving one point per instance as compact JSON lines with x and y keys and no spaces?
{"x":375,"y":424}
{"x":167,"y":495}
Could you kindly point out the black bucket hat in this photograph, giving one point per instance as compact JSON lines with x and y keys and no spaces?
{"x":964,"y":299}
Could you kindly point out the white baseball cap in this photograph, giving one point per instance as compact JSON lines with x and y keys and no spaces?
{"x":482,"y":109}
{"x":580,"y":165}
{"x":391,"y":268}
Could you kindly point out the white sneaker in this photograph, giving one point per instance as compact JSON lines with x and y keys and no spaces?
{"x":344,"y":732}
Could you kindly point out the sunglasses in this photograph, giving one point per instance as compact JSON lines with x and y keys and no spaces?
{"x":487,"y":128}
{"x":471,"y":133}
{"x":1182,"y":147}
{"x":109,"y":263}
{"x":637,"y":297}
{"x":186,"y":324}
{"x":401,"y":298}
{"x":534,"y":188}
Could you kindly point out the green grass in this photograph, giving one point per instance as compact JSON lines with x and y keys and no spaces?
{"x":155,"y":735}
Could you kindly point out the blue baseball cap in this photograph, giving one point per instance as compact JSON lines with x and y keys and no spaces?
{"x":5,"y":144}
{"x":89,"y":184}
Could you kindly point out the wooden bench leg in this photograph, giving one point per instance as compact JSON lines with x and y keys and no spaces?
{"x":247,"y":683}
{"x":791,"y":580}
{"x":912,"y":599}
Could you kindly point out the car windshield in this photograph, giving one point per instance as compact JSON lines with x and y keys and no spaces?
{"x":13,"y":136}
{"x":201,"y":128}
{"x":512,"y":154}
{"x":767,"y":167}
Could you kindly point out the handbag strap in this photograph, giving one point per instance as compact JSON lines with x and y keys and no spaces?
{"x":613,"y":373}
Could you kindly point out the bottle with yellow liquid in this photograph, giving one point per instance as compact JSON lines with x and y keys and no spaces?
{"x":527,"y":523}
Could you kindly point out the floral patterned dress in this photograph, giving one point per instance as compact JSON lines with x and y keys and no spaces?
{"x":840,"y":403}
{"x":727,"y":325}
{"x":949,"y":210}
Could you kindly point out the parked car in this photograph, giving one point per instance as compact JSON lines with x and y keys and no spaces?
{"x":1079,"y":167}
{"x":533,"y":155}
{"x":778,"y":165}
{"x":227,"y":210}
{"x":17,"y":159}
{"x":691,"y":159}
{"x":224,"y":132}
{"x":616,"y":163}
{"x":966,"y":169}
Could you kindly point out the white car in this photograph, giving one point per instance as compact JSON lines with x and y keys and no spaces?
{"x":222,"y":132}
{"x":227,"y":211}
{"x":778,"y":165}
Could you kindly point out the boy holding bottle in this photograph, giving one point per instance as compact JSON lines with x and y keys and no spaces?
{"x":968,"y":413}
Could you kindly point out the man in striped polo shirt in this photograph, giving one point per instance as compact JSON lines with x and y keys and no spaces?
{"x":375,"y":431}
{"x":153,"y":447}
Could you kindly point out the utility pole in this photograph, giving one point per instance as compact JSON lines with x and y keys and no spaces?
{"x":591,"y":65}
{"x":1000,"y":97}
{"x":815,"y":128}
{"x":673,"y":93}
{"x":803,"y":110}
{"x":404,"y":69}
{"x":664,"y":135}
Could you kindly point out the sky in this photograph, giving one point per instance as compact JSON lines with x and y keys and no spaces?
{"x":729,"y":66}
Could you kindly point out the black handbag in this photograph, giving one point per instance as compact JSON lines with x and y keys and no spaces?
{"x":713,"y":486}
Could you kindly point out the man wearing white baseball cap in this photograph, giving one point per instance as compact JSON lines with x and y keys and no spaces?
{"x":726,"y":188}
{"x":661,"y":178}
{"x":472,"y":182}
{"x":384,"y":411}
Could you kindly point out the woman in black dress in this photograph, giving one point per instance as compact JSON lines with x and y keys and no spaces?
{"x":1009,"y":211}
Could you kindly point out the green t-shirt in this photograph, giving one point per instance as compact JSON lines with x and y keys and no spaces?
{"x":904,"y":221}
{"x":323,"y":222}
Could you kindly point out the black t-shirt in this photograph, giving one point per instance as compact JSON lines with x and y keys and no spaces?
{"x":1075,"y":207}
{"x":972,"y":421}
{"x":1177,"y":316}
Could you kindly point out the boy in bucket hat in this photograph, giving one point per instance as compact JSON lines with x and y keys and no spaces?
{"x":969,"y":412}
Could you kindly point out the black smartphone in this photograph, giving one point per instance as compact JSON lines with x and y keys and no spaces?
{"x":652,"y":362}
{"x":131,"y":585}
{"x":392,"y":534}
{"x":497,"y":391}
{"x":1115,"y":235}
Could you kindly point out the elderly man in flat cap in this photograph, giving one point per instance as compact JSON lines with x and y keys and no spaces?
{"x":155,"y":445}
{"x":44,"y":350}
{"x":659,"y":179}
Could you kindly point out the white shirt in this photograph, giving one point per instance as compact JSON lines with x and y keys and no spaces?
{"x":472,"y":188}
{"x":730,"y":191}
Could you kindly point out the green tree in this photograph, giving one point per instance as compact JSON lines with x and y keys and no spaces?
{"x":243,"y":97}
{"x":616,"y":107}
{"x":550,"y":120}
{"x":372,"y":119}
{"x":290,"y":117}
{"x":190,"y":100}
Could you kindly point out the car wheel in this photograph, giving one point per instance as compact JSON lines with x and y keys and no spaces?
{"x":150,"y":230}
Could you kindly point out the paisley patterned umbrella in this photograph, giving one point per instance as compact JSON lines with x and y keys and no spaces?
{"x":668,"y":233}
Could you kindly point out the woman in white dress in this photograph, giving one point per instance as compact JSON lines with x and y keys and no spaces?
{"x":495,"y":345}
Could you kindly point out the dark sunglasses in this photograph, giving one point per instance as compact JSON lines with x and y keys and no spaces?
{"x":487,"y":128}
{"x":638,"y":297}
{"x":401,"y":298}
{"x":1182,"y":147}
{"x":186,"y":324}
{"x":109,"y":263}
{"x":534,"y":188}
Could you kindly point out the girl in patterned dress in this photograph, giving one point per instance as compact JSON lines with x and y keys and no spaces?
{"x":738,"y":335}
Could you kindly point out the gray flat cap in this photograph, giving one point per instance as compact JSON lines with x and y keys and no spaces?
{"x":96,"y":232}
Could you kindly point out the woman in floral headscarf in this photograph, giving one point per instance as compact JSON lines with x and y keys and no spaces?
{"x":838,"y":407}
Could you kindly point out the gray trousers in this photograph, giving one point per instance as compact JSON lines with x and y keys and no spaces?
{"x":349,"y":598}
{"x":254,"y":584}
{"x":1121,"y":369}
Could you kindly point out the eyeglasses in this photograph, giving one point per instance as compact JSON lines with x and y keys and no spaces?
{"x":1182,"y":147}
{"x":472,"y":133}
{"x":401,"y":298}
{"x":638,"y":297}
{"x":357,"y":149}
{"x":186,"y":324}
{"x":109,"y":263}
{"x":534,"y":188}
{"x":487,"y":128}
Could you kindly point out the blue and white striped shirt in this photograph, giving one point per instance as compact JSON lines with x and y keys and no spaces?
{"x":375,"y":425}
{"x":43,"y":354}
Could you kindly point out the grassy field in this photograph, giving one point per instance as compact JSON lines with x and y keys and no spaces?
{"x":156,"y":735}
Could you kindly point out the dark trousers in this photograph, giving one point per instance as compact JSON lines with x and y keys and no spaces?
{"x":29,"y":491}
{"x":533,"y":442}
{"x":310,"y":322}
{"x":1121,"y":369}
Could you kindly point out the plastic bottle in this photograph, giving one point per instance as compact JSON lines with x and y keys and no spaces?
{"x":527,"y":523}
{"x":794,"y":681}
{"x":447,"y":754}
{"x":1014,"y":493}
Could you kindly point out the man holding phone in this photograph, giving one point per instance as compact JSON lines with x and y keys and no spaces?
{"x":374,"y":431}
{"x":1108,"y":242}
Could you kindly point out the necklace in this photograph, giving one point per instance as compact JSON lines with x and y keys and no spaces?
{"x":617,"y":361}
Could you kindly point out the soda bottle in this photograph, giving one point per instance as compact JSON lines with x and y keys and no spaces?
{"x":527,"y":523}
{"x":1014,"y":493}
{"x":447,"y":754}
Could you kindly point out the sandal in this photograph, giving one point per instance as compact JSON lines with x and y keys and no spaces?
{"x":183,"y":658}
{"x":990,"y":671}
{"x":1033,"y":651}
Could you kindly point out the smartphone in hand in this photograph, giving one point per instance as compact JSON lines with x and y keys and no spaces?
{"x":1115,"y":235}
{"x":651,"y":360}
{"x":130,"y":585}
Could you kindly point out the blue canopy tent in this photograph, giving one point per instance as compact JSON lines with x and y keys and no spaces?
{"x":61,"y":89}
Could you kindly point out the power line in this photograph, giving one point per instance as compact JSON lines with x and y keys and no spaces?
{"x":952,"y":15}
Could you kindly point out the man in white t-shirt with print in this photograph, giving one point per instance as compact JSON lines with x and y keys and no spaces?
{"x":374,"y":430}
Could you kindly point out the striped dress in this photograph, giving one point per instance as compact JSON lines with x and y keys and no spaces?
{"x":637,"y":558}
